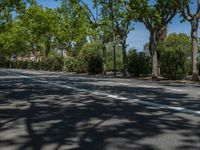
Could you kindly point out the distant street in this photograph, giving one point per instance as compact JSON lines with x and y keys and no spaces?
{"x":63,"y":111}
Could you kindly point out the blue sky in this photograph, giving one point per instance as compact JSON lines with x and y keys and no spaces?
{"x":138,"y":37}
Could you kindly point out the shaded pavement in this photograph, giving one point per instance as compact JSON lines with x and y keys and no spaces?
{"x":40,"y":116}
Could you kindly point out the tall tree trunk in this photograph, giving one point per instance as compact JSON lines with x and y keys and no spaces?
{"x":104,"y":57}
{"x":125,"y":72}
{"x":194,"y":37}
{"x":161,"y":38}
{"x":153,"y":52}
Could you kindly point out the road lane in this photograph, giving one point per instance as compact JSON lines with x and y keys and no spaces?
{"x":45,"y":117}
{"x":188,"y":105}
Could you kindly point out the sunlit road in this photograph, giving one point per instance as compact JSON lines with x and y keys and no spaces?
{"x":59,"y":111}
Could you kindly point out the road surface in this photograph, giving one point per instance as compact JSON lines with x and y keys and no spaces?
{"x":59,"y":111}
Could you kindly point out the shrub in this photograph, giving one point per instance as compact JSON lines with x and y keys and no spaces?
{"x":23,"y":64}
{"x":139,"y":64}
{"x":174,"y":64}
{"x":54,"y":62}
{"x":95,"y":64}
{"x":4,"y":63}
{"x":70,"y":64}
{"x":90,"y":59}
{"x":110,"y":58}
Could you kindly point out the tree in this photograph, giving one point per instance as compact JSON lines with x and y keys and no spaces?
{"x":117,"y":16}
{"x":40,"y":23}
{"x":193,"y":18}
{"x":72,"y":26}
{"x":14,"y":40}
{"x":102,"y":29}
{"x":155,"y":18}
{"x":114,"y":17}
{"x":179,"y":41}
{"x":7,"y":7}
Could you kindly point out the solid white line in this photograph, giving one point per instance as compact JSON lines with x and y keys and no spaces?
{"x":178,"y":90}
{"x":179,"y":109}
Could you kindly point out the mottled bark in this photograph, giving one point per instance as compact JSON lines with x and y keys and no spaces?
{"x":193,"y":19}
{"x":161,"y":38}
{"x":153,"y":51}
{"x":194,"y":38}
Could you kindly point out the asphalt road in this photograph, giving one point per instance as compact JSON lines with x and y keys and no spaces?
{"x":58,"y":111}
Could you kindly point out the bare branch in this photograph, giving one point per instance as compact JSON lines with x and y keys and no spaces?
{"x":93,"y":17}
{"x":146,"y":23}
{"x":183,"y":9}
{"x":167,"y":19}
{"x":188,"y":10}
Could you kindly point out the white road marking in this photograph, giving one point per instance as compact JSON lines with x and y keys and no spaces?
{"x":148,"y":86}
{"x":116,"y":97}
{"x":178,"y":90}
{"x":179,"y":109}
{"x":142,"y":86}
{"x":125,"y":84}
{"x":155,"y":87}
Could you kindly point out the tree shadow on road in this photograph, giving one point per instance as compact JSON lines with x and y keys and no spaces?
{"x":38,"y":116}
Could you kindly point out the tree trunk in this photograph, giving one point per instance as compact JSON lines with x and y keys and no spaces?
{"x":194,"y":38}
{"x":153,"y":51}
{"x":155,"y":65}
{"x":104,"y":57}
{"x":158,"y":59}
{"x":125,"y":72}
{"x":161,"y":38}
{"x":114,"y":55}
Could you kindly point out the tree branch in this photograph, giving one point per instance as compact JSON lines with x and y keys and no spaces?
{"x":93,"y":17}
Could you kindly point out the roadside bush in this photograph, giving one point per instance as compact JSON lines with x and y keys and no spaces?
{"x":70,"y":64}
{"x":110,"y":58}
{"x":54,"y":62}
{"x":139,"y":64}
{"x":174,"y":64}
{"x":51,"y":64}
{"x":90,"y":59}
{"x":23,"y":64}
{"x":47,"y":64}
{"x":95,"y":64}
{"x":4,"y":63}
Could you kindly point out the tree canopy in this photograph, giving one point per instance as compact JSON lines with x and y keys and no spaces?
{"x":29,"y":29}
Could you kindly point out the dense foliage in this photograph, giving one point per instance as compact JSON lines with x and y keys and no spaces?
{"x":175,"y":56}
{"x":139,"y":64}
{"x":52,"y":63}
{"x":174,"y":64}
{"x":90,"y":59}
{"x":74,"y":37}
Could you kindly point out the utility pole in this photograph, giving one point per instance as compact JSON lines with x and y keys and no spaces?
{"x":114,"y":54}
{"x":114,"y":41}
